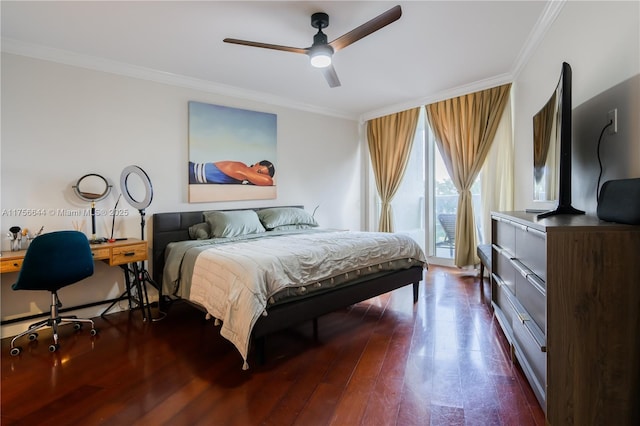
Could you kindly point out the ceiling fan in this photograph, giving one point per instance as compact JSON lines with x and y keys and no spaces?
{"x":320,"y":52}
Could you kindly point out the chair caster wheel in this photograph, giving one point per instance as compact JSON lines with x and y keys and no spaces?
{"x":53,"y":348}
{"x":77,"y":326}
{"x":93,"y":331}
{"x":33,"y":336}
{"x":16,"y":351}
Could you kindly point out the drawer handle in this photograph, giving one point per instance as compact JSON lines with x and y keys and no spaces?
{"x":498,"y":280}
{"x":503,"y":252}
{"x":542,"y":345}
{"x":16,"y":264}
{"x":533,"y":280}
{"x":130,"y":253}
{"x":518,"y":266}
{"x":536,"y":232}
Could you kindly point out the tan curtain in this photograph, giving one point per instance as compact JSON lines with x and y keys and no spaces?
{"x":497,"y":174}
{"x":390,"y":140}
{"x":464,"y":128}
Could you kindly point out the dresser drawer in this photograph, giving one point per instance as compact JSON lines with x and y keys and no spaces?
{"x":532,"y":297}
{"x":504,"y":269}
{"x":101,"y":253}
{"x":503,"y":305}
{"x":531,"y":250}
{"x":504,"y":234}
{"x":10,"y":265}
{"x":531,"y":349}
{"x":128,"y":254}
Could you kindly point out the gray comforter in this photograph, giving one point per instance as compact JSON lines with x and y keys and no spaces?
{"x":233,"y":279}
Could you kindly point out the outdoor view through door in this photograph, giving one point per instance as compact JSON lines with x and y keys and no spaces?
{"x":426,"y":203}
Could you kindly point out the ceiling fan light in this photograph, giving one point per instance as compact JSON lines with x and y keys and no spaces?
{"x":321,"y":61}
{"x":321,"y":56}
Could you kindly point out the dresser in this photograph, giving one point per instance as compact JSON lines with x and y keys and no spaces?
{"x":567,"y":297}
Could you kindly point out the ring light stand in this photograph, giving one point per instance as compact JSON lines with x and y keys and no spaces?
{"x":140,"y":272}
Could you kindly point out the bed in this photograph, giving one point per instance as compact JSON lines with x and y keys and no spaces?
{"x":257,"y":271}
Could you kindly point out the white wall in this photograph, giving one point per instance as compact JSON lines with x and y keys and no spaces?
{"x":601,"y":42}
{"x":619,"y":152}
{"x":60,"y":122}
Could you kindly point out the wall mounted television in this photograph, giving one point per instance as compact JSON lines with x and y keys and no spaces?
{"x":552,"y":149}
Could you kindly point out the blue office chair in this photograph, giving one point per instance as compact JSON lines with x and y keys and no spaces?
{"x":54,"y":260}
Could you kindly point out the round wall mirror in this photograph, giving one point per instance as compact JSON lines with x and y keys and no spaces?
{"x":92,"y":187}
{"x":136,"y":187}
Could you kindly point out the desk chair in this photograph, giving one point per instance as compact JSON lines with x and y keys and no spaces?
{"x":52,"y":261}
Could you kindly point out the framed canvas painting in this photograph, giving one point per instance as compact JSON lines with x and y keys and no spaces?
{"x":232,"y":154}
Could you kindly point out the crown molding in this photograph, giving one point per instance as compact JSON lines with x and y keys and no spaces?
{"x":547,"y":18}
{"x":447,"y":94}
{"x":66,"y":57}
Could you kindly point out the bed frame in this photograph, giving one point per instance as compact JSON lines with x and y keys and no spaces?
{"x":174,"y":226}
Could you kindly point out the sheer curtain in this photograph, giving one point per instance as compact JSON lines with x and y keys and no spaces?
{"x":390,"y":139}
{"x":496,"y":177}
{"x":464,"y":128}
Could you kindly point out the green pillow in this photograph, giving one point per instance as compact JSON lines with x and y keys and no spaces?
{"x":232,"y":223}
{"x":199,"y":231}
{"x":276,"y":217}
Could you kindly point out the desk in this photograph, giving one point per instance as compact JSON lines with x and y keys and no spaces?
{"x":125,"y":254}
{"x":115,"y":254}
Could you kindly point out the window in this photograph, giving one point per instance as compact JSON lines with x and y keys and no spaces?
{"x":426,"y":202}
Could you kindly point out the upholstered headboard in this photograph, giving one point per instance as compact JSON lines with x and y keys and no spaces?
{"x":174,"y":226}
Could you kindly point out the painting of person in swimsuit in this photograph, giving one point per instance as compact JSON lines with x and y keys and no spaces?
{"x":226,"y":145}
{"x":232,"y":172}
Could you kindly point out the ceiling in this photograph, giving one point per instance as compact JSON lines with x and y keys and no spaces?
{"x":436,"y":49}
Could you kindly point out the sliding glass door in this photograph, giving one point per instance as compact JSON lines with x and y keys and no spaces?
{"x":425,"y":205}
{"x":410,"y":202}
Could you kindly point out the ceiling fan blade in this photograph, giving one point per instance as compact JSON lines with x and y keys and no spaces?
{"x":267,"y":45}
{"x":367,"y":28}
{"x":331,"y":76}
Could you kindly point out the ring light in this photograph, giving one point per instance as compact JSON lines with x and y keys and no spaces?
{"x":127,"y":187}
{"x":144,"y":178}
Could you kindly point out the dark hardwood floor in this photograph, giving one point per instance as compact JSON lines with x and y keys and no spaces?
{"x":442,"y":361}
